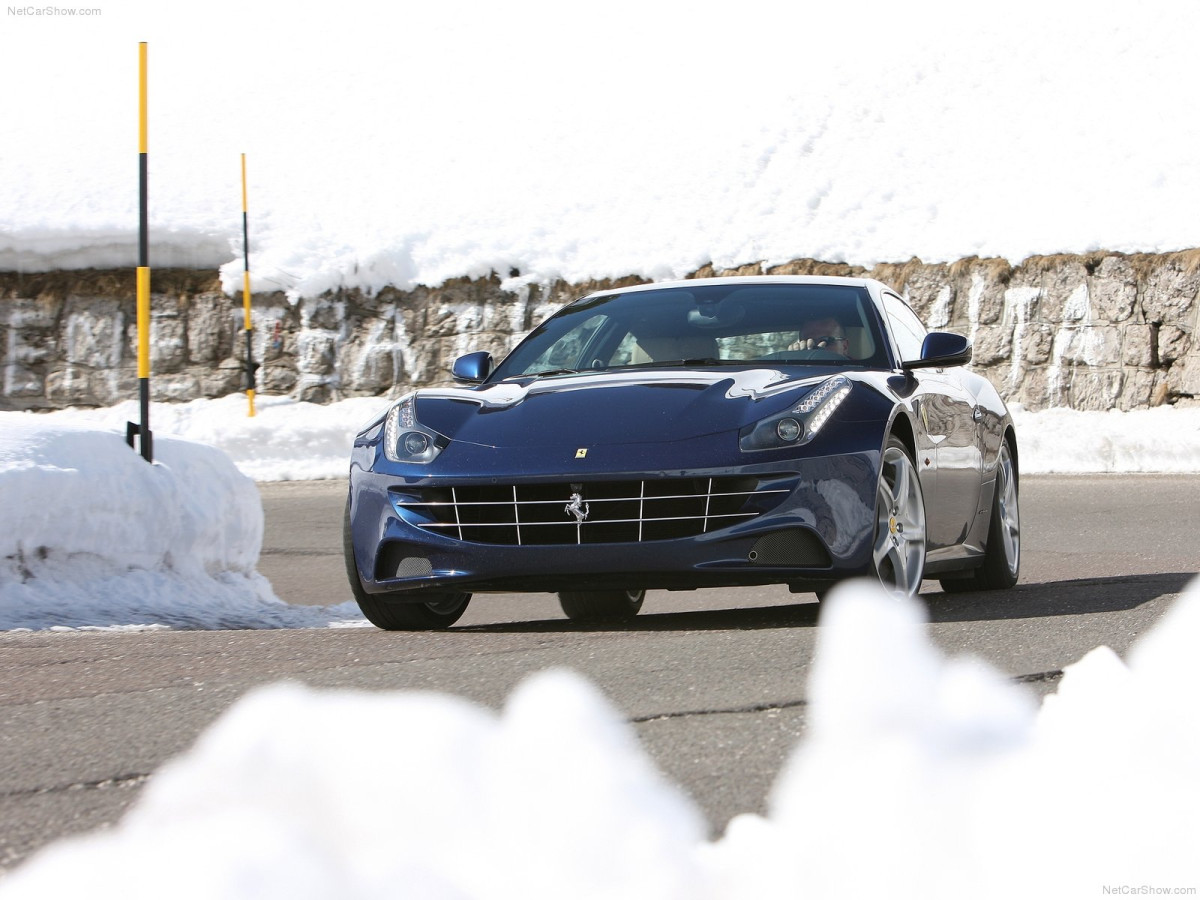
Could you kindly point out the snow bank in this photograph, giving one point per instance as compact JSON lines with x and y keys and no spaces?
{"x":93,"y":536}
{"x":411,"y":143}
{"x":1163,"y":440}
{"x":920,"y":777}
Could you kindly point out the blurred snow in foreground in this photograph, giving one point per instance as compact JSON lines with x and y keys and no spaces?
{"x":919,"y":777}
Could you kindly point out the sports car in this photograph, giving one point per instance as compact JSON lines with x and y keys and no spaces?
{"x":702,"y":433}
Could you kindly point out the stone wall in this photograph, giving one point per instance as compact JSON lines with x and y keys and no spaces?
{"x":1097,"y":331}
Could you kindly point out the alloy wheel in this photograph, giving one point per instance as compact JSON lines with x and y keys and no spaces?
{"x":899,"y":551}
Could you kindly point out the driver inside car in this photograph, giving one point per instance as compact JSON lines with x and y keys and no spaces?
{"x":823,"y":334}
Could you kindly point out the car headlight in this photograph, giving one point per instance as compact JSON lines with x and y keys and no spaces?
{"x":407,"y":440}
{"x":802,"y":422}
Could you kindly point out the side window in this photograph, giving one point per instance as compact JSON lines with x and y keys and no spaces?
{"x":906,"y":327}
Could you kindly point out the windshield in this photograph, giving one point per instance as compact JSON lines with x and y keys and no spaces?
{"x":713,"y":325}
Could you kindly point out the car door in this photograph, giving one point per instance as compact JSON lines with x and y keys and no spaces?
{"x":948,"y":442}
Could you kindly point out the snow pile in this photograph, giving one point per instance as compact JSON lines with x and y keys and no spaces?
{"x":92,"y":536}
{"x":1163,"y":439}
{"x":411,"y":143}
{"x":920,"y":777}
{"x":927,"y":777}
{"x":296,"y":794}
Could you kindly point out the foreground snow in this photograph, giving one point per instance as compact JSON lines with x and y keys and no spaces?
{"x":919,"y":777}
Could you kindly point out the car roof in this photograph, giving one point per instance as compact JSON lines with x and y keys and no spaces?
{"x":869,"y":283}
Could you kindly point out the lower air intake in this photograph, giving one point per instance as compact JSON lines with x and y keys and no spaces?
{"x":796,"y":547}
{"x":396,"y":561}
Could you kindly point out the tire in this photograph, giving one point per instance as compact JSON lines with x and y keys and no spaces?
{"x":601,"y":606}
{"x":1002,"y":559}
{"x":394,"y":612}
{"x":898,"y":550}
{"x":436,"y":611}
{"x":1002,"y":556}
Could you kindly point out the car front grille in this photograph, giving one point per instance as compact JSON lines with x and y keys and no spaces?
{"x":596,"y":512}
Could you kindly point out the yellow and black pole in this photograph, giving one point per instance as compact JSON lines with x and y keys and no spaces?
{"x":143,"y":275}
{"x":249,"y":325}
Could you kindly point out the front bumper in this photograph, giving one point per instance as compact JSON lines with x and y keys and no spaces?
{"x":817,"y":529}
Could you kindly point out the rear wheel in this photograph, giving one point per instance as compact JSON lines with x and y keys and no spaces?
{"x":432,"y":611}
{"x":1002,"y":558}
{"x":601,"y":606}
{"x":898,"y":556}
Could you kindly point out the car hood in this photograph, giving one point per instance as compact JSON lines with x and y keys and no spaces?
{"x":610,"y":408}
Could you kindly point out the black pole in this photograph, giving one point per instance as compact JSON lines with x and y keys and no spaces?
{"x":147,"y":437}
{"x":251,"y":383}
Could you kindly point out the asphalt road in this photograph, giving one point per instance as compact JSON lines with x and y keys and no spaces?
{"x":712,"y":681}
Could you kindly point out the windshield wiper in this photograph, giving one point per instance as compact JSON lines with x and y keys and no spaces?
{"x":649,"y":364}
{"x":696,"y":361}
{"x":545,"y":373}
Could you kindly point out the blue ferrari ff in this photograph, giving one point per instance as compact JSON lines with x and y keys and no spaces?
{"x":720,"y":431}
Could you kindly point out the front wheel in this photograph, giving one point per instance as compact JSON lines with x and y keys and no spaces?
{"x":435,"y":610}
{"x":898,"y":556}
{"x":600,"y":606}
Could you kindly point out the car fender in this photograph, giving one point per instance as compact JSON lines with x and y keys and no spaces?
{"x":994,"y":423}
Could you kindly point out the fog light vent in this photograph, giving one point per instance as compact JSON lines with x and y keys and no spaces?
{"x":796,"y":547}
{"x":414,"y":567}
{"x":396,"y":560}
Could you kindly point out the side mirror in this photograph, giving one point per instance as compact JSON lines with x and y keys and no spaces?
{"x":473,"y":368}
{"x":941,"y":350}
